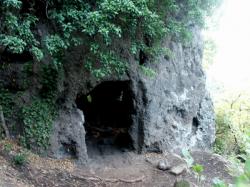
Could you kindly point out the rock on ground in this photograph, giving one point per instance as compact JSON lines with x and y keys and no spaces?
{"x":179,"y":169}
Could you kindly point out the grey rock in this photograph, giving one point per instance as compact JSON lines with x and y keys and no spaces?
{"x":163,"y":165}
{"x":151,"y":161}
{"x":68,"y":135}
{"x":179,"y":169}
{"x":171,"y":111}
{"x":174,"y":108}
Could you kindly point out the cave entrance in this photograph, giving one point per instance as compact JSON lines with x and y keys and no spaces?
{"x":108,"y":111}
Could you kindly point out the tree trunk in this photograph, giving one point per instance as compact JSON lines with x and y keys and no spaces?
{"x":2,"y":120}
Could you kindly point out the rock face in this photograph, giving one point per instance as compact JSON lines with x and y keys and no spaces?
{"x":172,"y":110}
{"x":168,"y":112}
{"x":68,"y":136}
{"x":178,"y":112}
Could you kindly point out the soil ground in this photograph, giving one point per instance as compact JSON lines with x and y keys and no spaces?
{"x":124,"y":168}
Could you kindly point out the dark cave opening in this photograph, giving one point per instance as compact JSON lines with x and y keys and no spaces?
{"x":69,"y":149}
{"x":142,"y":58}
{"x":195,"y":124}
{"x":108,"y":111}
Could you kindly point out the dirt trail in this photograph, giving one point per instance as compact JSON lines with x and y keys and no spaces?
{"x":123,"y":169}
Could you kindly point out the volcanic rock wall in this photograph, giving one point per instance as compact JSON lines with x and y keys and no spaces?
{"x":172,"y":110}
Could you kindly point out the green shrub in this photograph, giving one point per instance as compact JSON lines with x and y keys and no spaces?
{"x":198,"y":170}
{"x":147,"y":71}
{"x":20,"y":159}
{"x":7,"y":147}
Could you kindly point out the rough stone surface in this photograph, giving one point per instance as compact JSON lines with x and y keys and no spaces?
{"x":163,"y":165}
{"x":179,"y":169}
{"x":172,"y":110}
{"x":176,"y":111}
{"x":68,"y":136}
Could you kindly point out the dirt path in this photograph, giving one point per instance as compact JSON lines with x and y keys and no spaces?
{"x":127,"y":169}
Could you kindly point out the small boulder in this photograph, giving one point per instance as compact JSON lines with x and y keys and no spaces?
{"x":163,"y":165}
{"x":151,"y":161}
{"x":179,"y":169}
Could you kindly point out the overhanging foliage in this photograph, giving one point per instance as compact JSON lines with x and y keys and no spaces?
{"x":96,"y":24}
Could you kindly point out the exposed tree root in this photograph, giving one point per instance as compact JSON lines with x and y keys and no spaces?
{"x":104,"y":180}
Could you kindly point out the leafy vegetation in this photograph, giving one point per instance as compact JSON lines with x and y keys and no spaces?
{"x":19,"y":159}
{"x":7,"y":104}
{"x":232,"y":115}
{"x":98,"y":26}
{"x":198,"y":169}
{"x":107,"y":32}
{"x":7,"y":147}
{"x":233,"y":126}
{"x":37,"y":118}
{"x":242,"y":180}
{"x":50,"y":76}
{"x":233,"y":136}
{"x":6,"y":101}
{"x":148,"y":71}
{"x":16,"y":29}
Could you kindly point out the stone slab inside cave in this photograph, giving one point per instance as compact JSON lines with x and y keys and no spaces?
{"x":108,"y":111}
